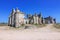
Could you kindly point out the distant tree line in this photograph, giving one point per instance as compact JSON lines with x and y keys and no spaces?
{"x":3,"y":23}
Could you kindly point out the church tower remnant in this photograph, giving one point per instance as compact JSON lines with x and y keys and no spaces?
{"x":16,"y":18}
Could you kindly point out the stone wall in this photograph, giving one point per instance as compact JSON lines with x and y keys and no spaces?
{"x":17,"y":18}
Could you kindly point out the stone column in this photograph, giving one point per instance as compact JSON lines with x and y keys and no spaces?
{"x":37,"y":19}
{"x":9,"y":21}
{"x":43,"y":21}
{"x":34,"y":20}
{"x":40,"y":21}
{"x":13,"y":12}
{"x":52,"y":21}
{"x":17,"y":24}
{"x":46,"y":21}
{"x":16,"y":20}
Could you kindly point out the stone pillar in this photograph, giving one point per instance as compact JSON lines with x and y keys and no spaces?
{"x":17,"y":24}
{"x":35,"y":19}
{"x":9,"y":21}
{"x":43,"y":21}
{"x":52,"y":21}
{"x":40,"y":21}
{"x":46,"y":21}
{"x":12,"y":20}
{"x":16,"y":20}
{"x":13,"y":12}
{"x":40,"y":18}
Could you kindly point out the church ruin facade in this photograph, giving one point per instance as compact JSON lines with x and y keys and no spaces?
{"x":17,"y":18}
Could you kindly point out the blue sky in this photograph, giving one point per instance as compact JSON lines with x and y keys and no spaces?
{"x":46,"y":7}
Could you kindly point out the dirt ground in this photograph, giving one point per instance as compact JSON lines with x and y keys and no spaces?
{"x":45,"y":33}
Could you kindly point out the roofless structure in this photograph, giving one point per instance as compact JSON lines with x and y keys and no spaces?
{"x":17,"y":18}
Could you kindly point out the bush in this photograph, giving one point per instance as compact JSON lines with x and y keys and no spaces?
{"x":22,"y":24}
{"x":36,"y":24}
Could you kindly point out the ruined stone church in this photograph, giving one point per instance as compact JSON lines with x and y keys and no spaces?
{"x":17,"y":18}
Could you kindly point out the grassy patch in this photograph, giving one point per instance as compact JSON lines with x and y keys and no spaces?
{"x":22,"y":24}
{"x":57,"y":26}
{"x":40,"y":25}
{"x":17,"y":28}
{"x":3,"y":24}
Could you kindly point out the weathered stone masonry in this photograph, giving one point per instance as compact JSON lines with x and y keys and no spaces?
{"x":17,"y":18}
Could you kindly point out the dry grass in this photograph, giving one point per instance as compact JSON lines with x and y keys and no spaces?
{"x":40,"y":25}
{"x":3,"y":24}
{"x":57,"y":26}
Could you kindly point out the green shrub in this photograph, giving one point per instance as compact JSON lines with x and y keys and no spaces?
{"x":36,"y":24}
{"x":22,"y":24}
